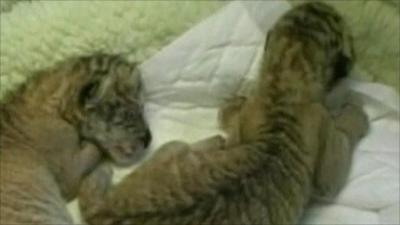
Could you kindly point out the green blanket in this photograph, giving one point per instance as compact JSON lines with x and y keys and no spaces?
{"x":35,"y":35}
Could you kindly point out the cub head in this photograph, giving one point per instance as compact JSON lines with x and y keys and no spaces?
{"x":315,"y":38}
{"x":111,"y":108}
{"x":337,"y":41}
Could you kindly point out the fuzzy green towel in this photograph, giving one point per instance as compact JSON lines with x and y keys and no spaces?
{"x":35,"y":35}
{"x":38,"y":34}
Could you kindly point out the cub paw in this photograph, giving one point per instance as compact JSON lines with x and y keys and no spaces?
{"x":212,"y":143}
{"x":94,"y":189}
{"x":230,"y":109}
{"x":352,"y":118}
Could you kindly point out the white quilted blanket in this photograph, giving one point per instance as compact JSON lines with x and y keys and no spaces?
{"x":186,"y":81}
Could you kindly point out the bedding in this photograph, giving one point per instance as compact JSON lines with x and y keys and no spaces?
{"x":37,"y":34}
{"x":188,"y":79}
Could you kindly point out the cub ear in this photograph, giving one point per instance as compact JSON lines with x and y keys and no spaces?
{"x":341,"y":68}
{"x":88,"y":95}
{"x":137,"y":78}
{"x":343,"y":65}
{"x":348,"y":46}
{"x":135,"y":81}
{"x":267,"y":40}
{"x":344,"y":60}
{"x":129,"y":79}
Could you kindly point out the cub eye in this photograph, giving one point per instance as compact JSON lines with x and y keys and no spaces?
{"x":88,"y":94}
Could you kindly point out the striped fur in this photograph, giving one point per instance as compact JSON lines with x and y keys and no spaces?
{"x":52,"y":130}
{"x":283,"y":146}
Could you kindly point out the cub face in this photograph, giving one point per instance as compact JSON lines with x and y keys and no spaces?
{"x":112,"y":111}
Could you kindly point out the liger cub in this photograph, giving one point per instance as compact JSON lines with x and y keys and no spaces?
{"x":56,"y":129}
{"x":283,"y":148}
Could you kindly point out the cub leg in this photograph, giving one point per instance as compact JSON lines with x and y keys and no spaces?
{"x":174,"y":149}
{"x":96,"y":188}
{"x":341,"y":136}
{"x":229,"y":118}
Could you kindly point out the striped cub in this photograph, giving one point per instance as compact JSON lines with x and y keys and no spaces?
{"x":55,"y":129}
{"x":284,"y":146}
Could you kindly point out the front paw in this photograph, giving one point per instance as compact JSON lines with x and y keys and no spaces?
{"x":219,"y":142}
{"x":352,"y":118}
{"x":229,"y":109}
{"x":94,"y":189}
{"x":354,"y":115}
{"x":212,"y":143}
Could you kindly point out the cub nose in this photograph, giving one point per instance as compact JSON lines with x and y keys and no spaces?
{"x":147,"y":139}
